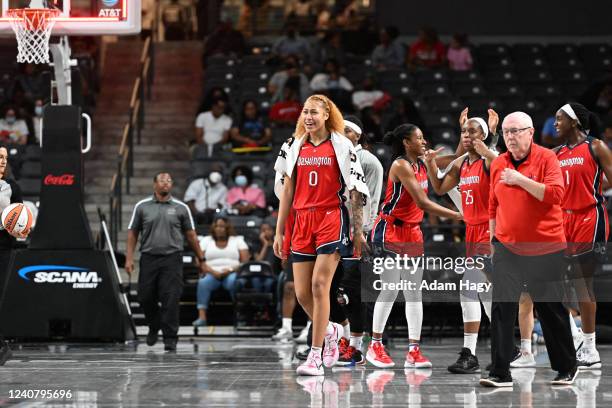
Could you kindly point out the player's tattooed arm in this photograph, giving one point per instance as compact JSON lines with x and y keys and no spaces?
{"x":357,"y":211}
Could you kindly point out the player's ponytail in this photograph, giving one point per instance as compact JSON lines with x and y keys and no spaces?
{"x":395,"y":138}
{"x":335,"y":121}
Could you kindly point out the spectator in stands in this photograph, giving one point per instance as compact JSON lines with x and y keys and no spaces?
{"x":368,"y":94}
{"x":330,"y":79}
{"x":279,"y":79}
{"x":28,"y":85}
{"x":13,"y":130}
{"x":427,"y":51}
{"x":287,"y":111}
{"x":214,"y":93}
{"x":406,"y":112}
{"x":147,"y":17}
{"x":389,"y":53}
{"x":324,"y":17}
{"x":206,"y":195}
{"x":263,"y":252}
{"x":291,"y":44}
{"x":459,"y":55}
{"x":253,"y":129}
{"x":176,"y":20}
{"x":345,"y":14}
{"x":223,"y":254}
{"x":329,"y":48}
{"x":225,"y":40}
{"x":245,"y":197}
{"x":213,"y":127}
{"x":549,"y":133}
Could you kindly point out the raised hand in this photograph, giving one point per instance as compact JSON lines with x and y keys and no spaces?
{"x":493,"y":120}
{"x":463,"y":117}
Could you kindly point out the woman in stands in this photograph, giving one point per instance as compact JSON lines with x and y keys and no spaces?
{"x":471,"y":174}
{"x":397,"y":231}
{"x":583,"y":159}
{"x":319,"y":168}
{"x":224,"y":252}
{"x":10,"y":193}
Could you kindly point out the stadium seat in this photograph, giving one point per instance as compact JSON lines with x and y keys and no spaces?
{"x":253,"y":308}
{"x":30,"y":187}
{"x":536,"y":76}
{"x":432,"y":89}
{"x":259,"y":168}
{"x":447,"y":135}
{"x":492,"y":50}
{"x":527,"y":51}
{"x":202,"y":168}
{"x":492,"y":63}
{"x":30,"y":169}
{"x":500,"y":75}
{"x":466,"y":90}
{"x":433,"y":76}
{"x":543,"y":90}
{"x":439,"y":119}
{"x":32,"y":153}
{"x":444,"y":103}
{"x":504,"y":90}
{"x":462,"y":77}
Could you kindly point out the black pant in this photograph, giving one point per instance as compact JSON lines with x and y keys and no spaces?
{"x":5,"y":258}
{"x":351,"y":284}
{"x":541,"y":276}
{"x":161,"y":281}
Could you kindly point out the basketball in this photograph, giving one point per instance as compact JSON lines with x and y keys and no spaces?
{"x":17,"y":218}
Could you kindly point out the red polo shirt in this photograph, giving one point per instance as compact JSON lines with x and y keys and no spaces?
{"x":524,"y":224}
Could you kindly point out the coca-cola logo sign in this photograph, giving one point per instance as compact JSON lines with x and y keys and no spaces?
{"x":61,"y":180}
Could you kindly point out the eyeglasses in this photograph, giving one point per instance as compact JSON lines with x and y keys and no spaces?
{"x":514,"y":131}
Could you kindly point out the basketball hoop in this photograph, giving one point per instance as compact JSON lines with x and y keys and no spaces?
{"x":32,"y":27}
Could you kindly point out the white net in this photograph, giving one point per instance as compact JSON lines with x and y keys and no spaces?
{"x":32,"y":28}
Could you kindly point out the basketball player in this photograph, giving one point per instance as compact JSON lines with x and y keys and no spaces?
{"x":10,"y":193}
{"x":318,"y":167}
{"x":397,"y":231}
{"x":583,"y":159}
{"x":471,"y":174}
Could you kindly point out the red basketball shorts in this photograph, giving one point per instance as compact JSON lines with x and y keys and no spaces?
{"x":477,"y":239}
{"x":404,"y":239}
{"x":320,"y":231}
{"x":585,"y":228}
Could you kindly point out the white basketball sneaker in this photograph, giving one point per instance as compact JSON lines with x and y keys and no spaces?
{"x":588,"y":358}
{"x":283,"y":334}
{"x":523,"y":360}
{"x":312,"y":366}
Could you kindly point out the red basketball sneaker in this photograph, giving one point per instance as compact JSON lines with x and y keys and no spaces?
{"x":378,"y":356}
{"x":414,"y":359}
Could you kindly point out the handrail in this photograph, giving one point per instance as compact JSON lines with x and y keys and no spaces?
{"x":141,"y":92}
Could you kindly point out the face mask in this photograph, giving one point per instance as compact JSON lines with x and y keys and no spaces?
{"x":214,"y":177}
{"x":38,"y":110}
{"x":10,"y":119}
{"x":241,"y":181}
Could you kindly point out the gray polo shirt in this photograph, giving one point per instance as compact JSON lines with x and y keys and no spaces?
{"x":162,"y":225}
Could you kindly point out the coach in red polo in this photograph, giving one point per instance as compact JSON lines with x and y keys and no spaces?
{"x":526,"y":226}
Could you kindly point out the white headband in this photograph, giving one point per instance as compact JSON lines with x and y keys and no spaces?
{"x":567,"y":108}
{"x":353,"y":126}
{"x":483,"y":125}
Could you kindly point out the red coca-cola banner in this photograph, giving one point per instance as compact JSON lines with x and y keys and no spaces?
{"x":62,"y":180}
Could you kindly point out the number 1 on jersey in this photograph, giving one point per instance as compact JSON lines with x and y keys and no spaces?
{"x":567,"y":177}
{"x":313,"y":178}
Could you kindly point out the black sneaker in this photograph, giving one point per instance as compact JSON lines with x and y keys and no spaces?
{"x":359,"y":358}
{"x":496,"y":381}
{"x":170,"y":345}
{"x":302,"y":353}
{"x":152,"y":337}
{"x":467,"y":363}
{"x":565,"y":378}
{"x":5,"y":352}
{"x":517,"y":354}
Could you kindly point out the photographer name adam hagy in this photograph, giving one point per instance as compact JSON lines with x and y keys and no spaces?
{"x":412,"y":264}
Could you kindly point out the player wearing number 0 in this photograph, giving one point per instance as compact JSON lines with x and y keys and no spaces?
{"x":397,"y":231}
{"x":471,"y":174}
{"x":10,"y":193}
{"x":583,"y":159}
{"x":316,"y":170}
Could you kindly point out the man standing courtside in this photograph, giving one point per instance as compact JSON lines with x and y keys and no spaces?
{"x":526,"y":227}
{"x":162,"y":220}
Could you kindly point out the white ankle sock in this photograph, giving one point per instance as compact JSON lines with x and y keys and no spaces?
{"x":470,"y":340}
{"x":287,"y":321}
{"x":589,"y":340}
{"x":346,"y":332}
{"x":526,"y":346}
{"x":357,"y":342}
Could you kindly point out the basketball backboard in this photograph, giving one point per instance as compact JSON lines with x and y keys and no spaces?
{"x":84,"y":17}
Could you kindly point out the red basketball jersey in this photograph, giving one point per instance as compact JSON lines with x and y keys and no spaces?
{"x":474,"y":184}
{"x":582,"y":175}
{"x":319,"y":183}
{"x":398,"y":201}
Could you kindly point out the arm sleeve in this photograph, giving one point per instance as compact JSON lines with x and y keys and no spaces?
{"x":492,"y":198}
{"x":553,"y":181}
{"x":16,"y":196}
{"x":187,"y":220}
{"x":136,"y":220}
